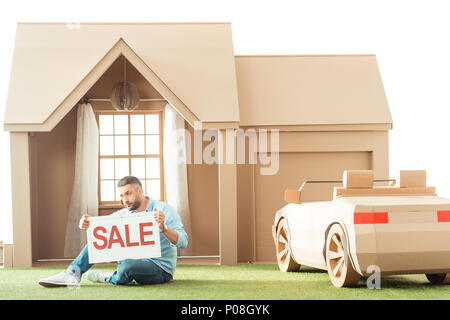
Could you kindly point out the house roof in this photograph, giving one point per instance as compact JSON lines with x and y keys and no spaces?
{"x":193,"y":66}
{"x":193,"y":61}
{"x":310,"y":90}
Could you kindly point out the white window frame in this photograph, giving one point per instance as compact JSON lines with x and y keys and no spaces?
{"x":130,"y":156}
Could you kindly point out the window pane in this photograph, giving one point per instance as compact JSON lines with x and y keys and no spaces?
{"x":153,"y":189}
{"x":137,"y":124}
{"x":106,"y":145}
{"x":121,"y":145}
{"x":106,"y":168}
{"x":144,"y":187}
{"x":152,"y":167}
{"x":152,"y":123}
{"x":152,"y":144}
{"x":122,"y":168}
{"x":137,"y":145}
{"x":105,"y":124}
{"x":120,"y":124}
{"x":138,"y":168}
{"x":107,"y":190}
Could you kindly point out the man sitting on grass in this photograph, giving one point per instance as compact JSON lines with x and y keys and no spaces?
{"x":143,"y":271}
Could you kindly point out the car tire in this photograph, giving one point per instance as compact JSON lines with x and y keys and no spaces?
{"x":286,"y":262}
{"x":438,"y":278}
{"x":339,"y":266}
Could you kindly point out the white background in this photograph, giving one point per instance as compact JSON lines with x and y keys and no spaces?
{"x":410,"y":38}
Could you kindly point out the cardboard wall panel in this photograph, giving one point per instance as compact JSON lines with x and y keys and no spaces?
{"x":53,"y":155}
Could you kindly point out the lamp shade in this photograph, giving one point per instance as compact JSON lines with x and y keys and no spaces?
{"x":124,"y":96}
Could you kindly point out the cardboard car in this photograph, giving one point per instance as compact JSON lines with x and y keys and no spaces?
{"x":400,"y":228}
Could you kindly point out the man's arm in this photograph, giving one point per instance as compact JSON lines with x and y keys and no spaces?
{"x":176,"y":236}
{"x":170,"y":234}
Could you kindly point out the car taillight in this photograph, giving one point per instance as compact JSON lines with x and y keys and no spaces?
{"x":443,"y":216}
{"x":370,"y":217}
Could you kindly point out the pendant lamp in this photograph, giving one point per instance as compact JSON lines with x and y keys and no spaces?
{"x":125,"y":95}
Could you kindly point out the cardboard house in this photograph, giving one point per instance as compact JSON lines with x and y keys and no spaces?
{"x":329,"y":113}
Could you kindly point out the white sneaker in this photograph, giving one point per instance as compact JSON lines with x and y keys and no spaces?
{"x":98,"y":276}
{"x":62,"y":279}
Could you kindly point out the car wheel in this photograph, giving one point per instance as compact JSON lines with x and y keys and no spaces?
{"x":284,"y":254}
{"x":438,"y":278}
{"x":339,"y":267}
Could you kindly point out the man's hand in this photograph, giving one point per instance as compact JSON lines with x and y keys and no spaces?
{"x":84,"y":222}
{"x":159,"y":218}
{"x":170,"y":234}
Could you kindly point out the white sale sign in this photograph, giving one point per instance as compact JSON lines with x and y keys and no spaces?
{"x":128,"y":236}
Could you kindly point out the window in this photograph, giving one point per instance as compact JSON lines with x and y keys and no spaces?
{"x":130,"y":144}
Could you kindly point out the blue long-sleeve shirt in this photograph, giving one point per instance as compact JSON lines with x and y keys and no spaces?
{"x":168,"y":259}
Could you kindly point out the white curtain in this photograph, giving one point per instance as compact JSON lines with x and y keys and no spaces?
{"x":84,"y":198}
{"x":175,"y":171}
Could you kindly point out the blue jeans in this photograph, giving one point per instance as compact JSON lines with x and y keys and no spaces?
{"x":143,"y":271}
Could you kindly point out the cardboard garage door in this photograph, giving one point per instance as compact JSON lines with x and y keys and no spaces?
{"x":294,"y":169}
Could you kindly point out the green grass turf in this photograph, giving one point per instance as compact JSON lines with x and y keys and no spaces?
{"x":221,"y":282}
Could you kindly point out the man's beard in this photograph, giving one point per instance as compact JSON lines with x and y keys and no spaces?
{"x":136,"y":204}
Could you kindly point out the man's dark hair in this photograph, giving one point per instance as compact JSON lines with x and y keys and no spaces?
{"x":132,"y":180}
